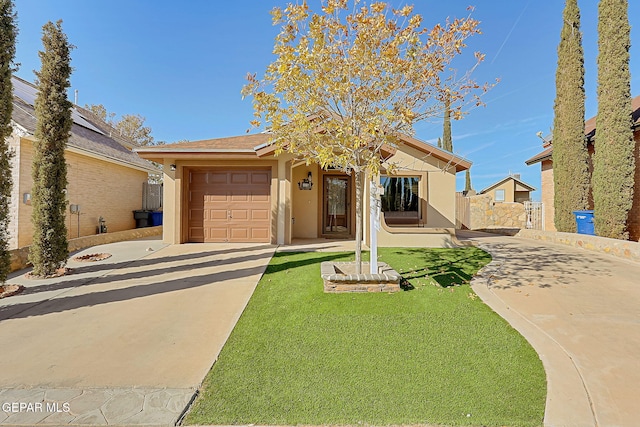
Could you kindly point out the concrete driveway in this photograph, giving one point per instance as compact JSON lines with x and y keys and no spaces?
{"x":126,"y":340}
{"x":581,"y":312}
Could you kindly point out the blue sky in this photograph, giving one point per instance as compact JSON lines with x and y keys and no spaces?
{"x":182,"y":65}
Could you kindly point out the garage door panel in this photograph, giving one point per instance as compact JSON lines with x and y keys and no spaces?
{"x":230,"y":205}
{"x":240,"y":178}
{"x":196,"y":198}
{"x":260,"y":178}
{"x":217,"y":234}
{"x":218,"y":178}
{"x":220,"y":197}
{"x":239,"y":234}
{"x":198,"y":178}
{"x":242,"y":198}
{"x":196,"y":234}
{"x":260,"y":215}
{"x":260,"y":233}
{"x":239,"y":215}
{"x":217,"y":214}
{"x":196,"y":215}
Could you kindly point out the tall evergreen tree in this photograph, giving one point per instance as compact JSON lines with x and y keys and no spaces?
{"x":8,"y":32}
{"x":49,"y":250}
{"x":467,"y":182}
{"x":614,"y":165}
{"x":447,"y":142}
{"x":570,"y":154}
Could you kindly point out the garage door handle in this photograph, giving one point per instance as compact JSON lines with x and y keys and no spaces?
{"x":229,"y":214}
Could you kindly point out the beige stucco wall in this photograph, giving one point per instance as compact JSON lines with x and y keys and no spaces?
{"x":509,"y":189}
{"x":297,"y":213}
{"x":305,"y":203}
{"x":437,"y":188}
{"x":101,"y":188}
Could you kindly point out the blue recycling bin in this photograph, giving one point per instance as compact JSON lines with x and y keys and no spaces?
{"x":156,"y":218}
{"x":584,"y":222}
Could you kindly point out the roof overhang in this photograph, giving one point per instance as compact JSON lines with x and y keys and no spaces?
{"x":517,"y":181}
{"x":387,"y":151}
{"x":158,"y":155}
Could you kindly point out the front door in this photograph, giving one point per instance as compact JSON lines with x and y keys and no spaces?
{"x":336,"y":217}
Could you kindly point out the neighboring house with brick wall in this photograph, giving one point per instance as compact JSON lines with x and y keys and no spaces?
{"x":105,"y":177}
{"x":545,"y":158}
{"x":509,"y":190}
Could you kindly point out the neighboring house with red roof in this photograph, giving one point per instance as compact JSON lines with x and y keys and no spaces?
{"x":545,"y":158}
{"x":105,"y":177}
{"x":237,"y":190}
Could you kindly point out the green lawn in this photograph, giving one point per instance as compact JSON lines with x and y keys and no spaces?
{"x":434,"y":354}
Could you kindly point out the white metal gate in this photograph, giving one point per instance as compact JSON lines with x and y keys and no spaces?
{"x":151,"y":196}
{"x":535,"y":215}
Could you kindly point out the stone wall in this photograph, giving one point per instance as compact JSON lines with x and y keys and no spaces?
{"x":19,"y":257}
{"x":618,"y":248}
{"x":485,"y":213}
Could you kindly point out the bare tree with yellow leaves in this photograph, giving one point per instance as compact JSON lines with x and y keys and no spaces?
{"x":351,"y":79}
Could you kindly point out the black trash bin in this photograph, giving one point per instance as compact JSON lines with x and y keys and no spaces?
{"x":142,"y":218}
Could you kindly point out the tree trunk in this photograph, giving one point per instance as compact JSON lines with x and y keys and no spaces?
{"x":359,"y":175}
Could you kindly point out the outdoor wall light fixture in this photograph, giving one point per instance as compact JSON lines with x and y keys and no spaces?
{"x":306,"y":184}
{"x":172,"y":167}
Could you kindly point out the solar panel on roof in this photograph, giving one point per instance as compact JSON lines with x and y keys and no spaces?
{"x":28,"y":94}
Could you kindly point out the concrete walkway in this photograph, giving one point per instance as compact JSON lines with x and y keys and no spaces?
{"x":126,"y":340}
{"x":581,"y":312}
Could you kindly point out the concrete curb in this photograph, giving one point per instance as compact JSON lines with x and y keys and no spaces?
{"x":568,"y":402}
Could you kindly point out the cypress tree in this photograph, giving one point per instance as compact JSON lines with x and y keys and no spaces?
{"x":467,"y":181}
{"x":447,"y":143}
{"x":439,"y":142}
{"x":8,"y":32}
{"x":570,"y":154}
{"x":49,"y":250}
{"x":614,"y":165}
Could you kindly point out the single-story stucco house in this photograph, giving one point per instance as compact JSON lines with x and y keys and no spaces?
{"x":545,"y":158}
{"x":236,"y":189}
{"x":105,"y":177}
{"x":509,"y":190}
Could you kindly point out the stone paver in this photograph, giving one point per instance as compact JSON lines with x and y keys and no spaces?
{"x":93,"y":406}
{"x":580,"y":310}
{"x":126,"y":340}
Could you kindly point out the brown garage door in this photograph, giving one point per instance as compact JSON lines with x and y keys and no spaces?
{"x":229,"y":206}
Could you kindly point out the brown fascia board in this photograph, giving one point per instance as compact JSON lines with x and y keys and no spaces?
{"x":158,"y":156}
{"x":492,"y":186}
{"x":387,"y":151}
{"x":460,"y":163}
{"x":546,"y":154}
